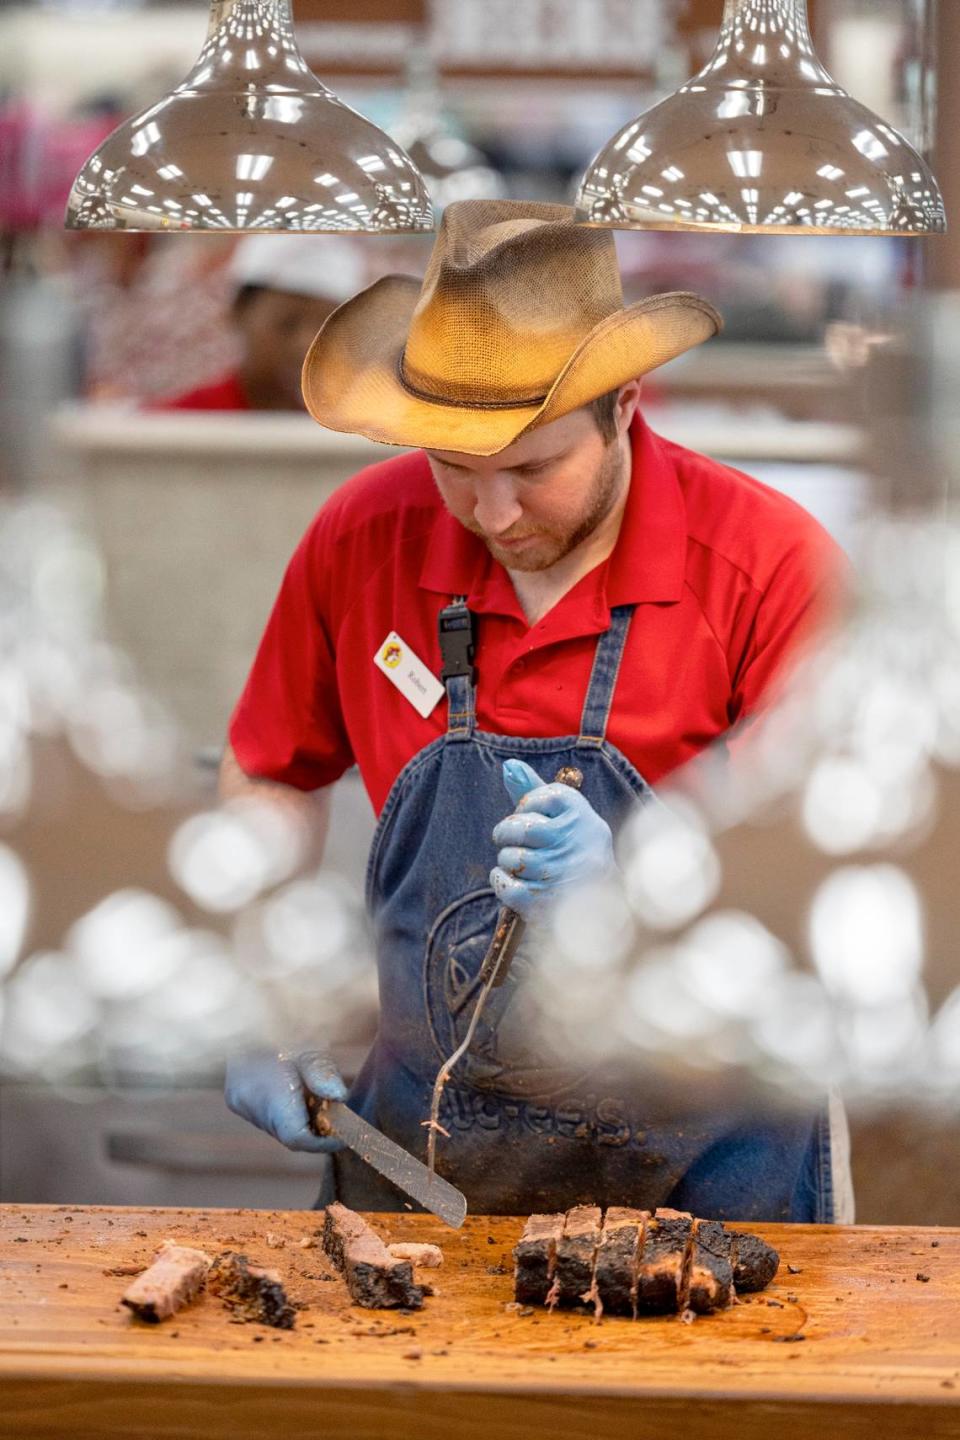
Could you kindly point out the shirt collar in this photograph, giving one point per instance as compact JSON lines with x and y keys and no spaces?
{"x":647,"y":563}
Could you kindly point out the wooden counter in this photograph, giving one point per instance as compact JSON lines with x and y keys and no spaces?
{"x":879,"y":1357}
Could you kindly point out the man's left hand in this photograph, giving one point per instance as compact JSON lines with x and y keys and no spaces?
{"x":554,"y":839}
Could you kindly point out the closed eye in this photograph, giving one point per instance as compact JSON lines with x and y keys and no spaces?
{"x":448,"y":465}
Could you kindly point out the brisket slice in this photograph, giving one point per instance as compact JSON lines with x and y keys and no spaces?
{"x":576,"y":1249}
{"x":250,"y":1292}
{"x":534,"y":1258}
{"x":661,"y":1269}
{"x":754,"y":1261}
{"x":176,"y":1277}
{"x":708,"y":1277}
{"x":375,"y":1279}
{"x":617,"y":1259}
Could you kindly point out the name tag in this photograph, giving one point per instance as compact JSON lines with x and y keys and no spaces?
{"x":409,"y":674}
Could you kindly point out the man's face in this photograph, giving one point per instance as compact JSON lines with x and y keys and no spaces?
{"x":541,"y":497}
{"x":277,"y":330}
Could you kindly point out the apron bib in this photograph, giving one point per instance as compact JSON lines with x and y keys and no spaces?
{"x":526,"y":1133}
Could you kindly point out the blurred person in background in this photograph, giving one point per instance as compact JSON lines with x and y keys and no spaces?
{"x":283,"y":288}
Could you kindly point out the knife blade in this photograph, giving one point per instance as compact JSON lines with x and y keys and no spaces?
{"x":332,"y":1117}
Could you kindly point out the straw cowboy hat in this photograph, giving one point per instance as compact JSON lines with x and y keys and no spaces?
{"x":519,"y":320}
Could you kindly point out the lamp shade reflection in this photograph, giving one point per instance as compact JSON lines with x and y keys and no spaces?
{"x":250,"y":140}
{"x":762,"y":139}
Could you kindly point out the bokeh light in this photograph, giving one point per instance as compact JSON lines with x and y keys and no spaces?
{"x":866,"y":934}
{"x":225,"y":858}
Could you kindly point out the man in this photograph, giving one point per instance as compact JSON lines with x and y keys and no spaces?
{"x":284,"y":288}
{"x":629,"y":602}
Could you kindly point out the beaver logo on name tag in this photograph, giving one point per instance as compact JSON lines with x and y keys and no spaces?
{"x":409,"y":674}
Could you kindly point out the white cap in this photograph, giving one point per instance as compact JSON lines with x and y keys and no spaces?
{"x":328,"y":267}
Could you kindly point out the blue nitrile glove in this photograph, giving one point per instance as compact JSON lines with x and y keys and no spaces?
{"x":553,"y":840}
{"x":268,"y":1090}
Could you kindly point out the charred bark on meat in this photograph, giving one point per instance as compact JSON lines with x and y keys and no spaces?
{"x":250,"y":1292}
{"x":375,"y":1279}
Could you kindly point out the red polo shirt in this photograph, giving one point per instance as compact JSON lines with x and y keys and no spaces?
{"x":728,"y":577}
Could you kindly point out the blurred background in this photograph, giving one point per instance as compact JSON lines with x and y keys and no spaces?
{"x":154,"y":481}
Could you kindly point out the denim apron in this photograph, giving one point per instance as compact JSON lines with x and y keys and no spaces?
{"x":526,"y":1134}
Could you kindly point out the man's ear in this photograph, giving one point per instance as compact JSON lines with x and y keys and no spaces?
{"x":628,"y":402}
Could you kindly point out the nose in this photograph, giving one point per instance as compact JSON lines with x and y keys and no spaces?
{"x":496,"y":509}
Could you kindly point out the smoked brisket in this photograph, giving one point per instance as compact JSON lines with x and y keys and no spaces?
{"x":575,"y":1254}
{"x":250,"y":1292}
{"x":177,"y":1276}
{"x":618,"y":1259}
{"x":754,"y":1262}
{"x":660,"y":1273}
{"x":375,"y":1279}
{"x":535,"y":1256}
{"x":708,"y":1283}
{"x":631,"y":1262}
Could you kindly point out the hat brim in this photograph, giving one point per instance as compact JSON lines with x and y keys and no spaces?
{"x":351,"y":376}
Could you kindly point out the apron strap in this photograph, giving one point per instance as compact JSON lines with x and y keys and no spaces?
{"x":603,"y":677}
{"x":461,"y":712}
{"x":455,"y":629}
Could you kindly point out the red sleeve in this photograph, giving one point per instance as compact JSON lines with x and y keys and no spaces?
{"x":804,"y":600}
{"x":288,"y":724}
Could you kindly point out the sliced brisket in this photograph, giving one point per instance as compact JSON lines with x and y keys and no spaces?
{"x":251,"y":1292}
{"x":576,"y":1249}
{"x":176,"y":1277}
{"x":617,"y":1260}
{"x":661,"y":1267}
{"x":754,"y":1262}
{"x":534,"y":1258}
{"x":375,"y":1279}
{"x":708,"y":1281}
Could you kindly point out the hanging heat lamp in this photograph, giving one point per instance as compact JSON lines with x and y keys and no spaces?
{"x":452,"y":167}
{"x":251,"y":140}
{"x":762,"y":140}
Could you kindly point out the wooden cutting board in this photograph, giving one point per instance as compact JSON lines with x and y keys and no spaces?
{"x":854,"y":1344}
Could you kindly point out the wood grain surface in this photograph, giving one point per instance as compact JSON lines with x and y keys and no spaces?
{"x":852,"y":1345}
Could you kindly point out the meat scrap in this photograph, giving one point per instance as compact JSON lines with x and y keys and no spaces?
{"x":375,"y":1278}
{"x":637,"y":1263}
{"x":176,"y":1277}
{"x":426,"y":1257}
{"x":251,"y":1293}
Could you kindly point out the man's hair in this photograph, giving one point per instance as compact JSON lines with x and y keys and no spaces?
{"x":604,"y":412}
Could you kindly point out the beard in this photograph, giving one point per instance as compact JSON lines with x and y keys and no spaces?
{"x":547,"y":545}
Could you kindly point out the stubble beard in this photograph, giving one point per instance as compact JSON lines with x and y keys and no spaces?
{"x":551,"y":546}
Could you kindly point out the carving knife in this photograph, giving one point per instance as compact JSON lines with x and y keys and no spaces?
{"x":331,"y":1117}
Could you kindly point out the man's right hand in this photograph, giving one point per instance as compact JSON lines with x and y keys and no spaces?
{"x":270,"y":1090}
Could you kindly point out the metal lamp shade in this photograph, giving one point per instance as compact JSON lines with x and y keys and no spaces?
{"x":762,"y":140}
{"x":452,"y":167}
{"x":251,"y":140}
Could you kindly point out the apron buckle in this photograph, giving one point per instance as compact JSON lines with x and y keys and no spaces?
{"x":457,"y":643}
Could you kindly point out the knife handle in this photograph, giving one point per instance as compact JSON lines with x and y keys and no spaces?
{"x":510,"y":926}
{"x":317,"y":1110}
